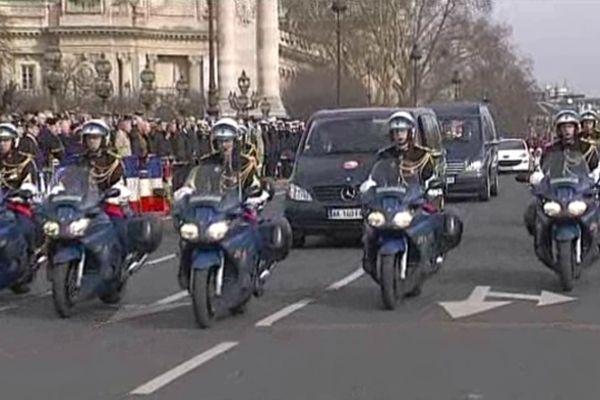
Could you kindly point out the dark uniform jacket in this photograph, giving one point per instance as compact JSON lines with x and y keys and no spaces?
{"x":587,"y":148}
{"x":51,"y":147}
{"x":415,"y":163}
{"x":106,"y":167}
{"x":242,"y":166}
{"x":16,"y":168}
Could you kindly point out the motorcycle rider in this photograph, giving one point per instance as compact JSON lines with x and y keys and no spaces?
{"x":240,"y":168}
{"x":567,"y":146}
{"x":18,"y":173}
{"x":414,"y":163}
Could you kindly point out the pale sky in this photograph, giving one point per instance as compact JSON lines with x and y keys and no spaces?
{"x":561,"y":36}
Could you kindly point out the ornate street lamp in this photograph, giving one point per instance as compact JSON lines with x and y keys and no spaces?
{"x":103,"y":86}
{"x":339,"y":7}
{"x":265,"y":107}
{"x":53,"y":73}
{"x":147,"y":93}
{"x":213,"y":109}
{"x":456,"y":81}
{"x":415,"y":57}
{"x":183,"y":87}
{"x":242,"y":104}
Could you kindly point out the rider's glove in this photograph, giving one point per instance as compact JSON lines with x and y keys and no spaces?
{"x":368,"y":184}
{"x":536,"y":177}
{"x":257,"y":201}
{"x":122,"y":198}
{"x":182,"y":192}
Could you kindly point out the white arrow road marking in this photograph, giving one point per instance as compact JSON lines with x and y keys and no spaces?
{"x":141,"y":311}
{"x":284,"y":312}
{"x":182,"y":369}
{"x":476,"y":302}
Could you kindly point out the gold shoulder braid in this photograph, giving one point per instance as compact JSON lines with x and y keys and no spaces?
{"x":13,"y":172}
{"x":592,"y":149}
{"x":100,"y":174}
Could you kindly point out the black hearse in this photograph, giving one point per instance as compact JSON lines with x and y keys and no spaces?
{"x":335,"y":156}
{"x":470,"y":140}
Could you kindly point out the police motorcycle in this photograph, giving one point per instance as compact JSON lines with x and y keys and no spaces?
{"x":226,"y":253}
{"x":412,"y":239}
{"x":17,"y":267}
{"x":565,"y":225}
{"x":89,"y":255}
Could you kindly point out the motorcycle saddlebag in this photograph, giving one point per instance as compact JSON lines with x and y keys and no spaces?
{"x":276,"y":237}
{"x":453,"y":230}
{"x":144,"y":233}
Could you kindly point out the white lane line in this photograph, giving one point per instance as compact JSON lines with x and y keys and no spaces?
{"x":159,"y":260}
{"x":6,"y":308}
{"x":182,"y":369}
{"x":133,"y":312}
{"x":280,"y":193}
{"x":347,"y":280}
{"x":171,"y":299}
{"x":284,"y":312}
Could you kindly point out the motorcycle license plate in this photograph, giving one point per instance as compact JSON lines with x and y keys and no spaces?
{"x":450,"y":180}
{"x":345,"y":213}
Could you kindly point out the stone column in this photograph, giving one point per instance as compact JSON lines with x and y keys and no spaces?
{"x":195,"y":73}
{"x":227,"y":60}
{"x":267,"y":58}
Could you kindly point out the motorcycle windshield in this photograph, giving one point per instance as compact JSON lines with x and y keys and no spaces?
{"x":566,"y":167}
{"x":213,"y":183}
{"x":390,"y":180}
{"x":74,"y":184}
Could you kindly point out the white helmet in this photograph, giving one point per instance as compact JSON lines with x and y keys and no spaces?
{"x":8,"y":131}
{"x":589,"y":115}
{"x":402,"y":120}
{"x":566,"y":117}
{"x":226,"y":129}
{"x":95,"y":127}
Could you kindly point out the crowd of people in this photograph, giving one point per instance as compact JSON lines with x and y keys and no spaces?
{"x":52,"y":138}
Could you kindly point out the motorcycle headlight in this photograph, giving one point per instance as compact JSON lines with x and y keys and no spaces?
{"x":402,"y":219}
{"x":577,"y":207}
{"x":475,"y":166}
{"x":376,"y":219}
{"x":78,"y":227}
{"x":218,"y":230}
{"x":51,"y":228}
{"x":189,"y":231}
{"x":297,"y":193}
{"x":552,"y":208}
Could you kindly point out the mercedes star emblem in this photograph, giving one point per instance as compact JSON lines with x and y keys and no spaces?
{"x":348,"y":193}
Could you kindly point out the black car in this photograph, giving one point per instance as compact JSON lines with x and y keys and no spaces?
{"x":471,"y":143}
{"x":335,"y":156}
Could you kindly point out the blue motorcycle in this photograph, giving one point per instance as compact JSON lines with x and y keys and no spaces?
{"x":565,"y":227}
{"x":226,"y":254}
{"x":17,"y":267}
{"x":89,"y":253}
{"x":411,"y":240}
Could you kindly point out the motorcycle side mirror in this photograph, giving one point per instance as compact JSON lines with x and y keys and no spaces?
{"x":522,"y":177}
{"x":112,"y":193}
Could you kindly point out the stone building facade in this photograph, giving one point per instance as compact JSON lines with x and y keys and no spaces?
{"x":171,"y":34}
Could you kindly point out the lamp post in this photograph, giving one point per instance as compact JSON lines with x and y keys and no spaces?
{"x":53,"y":73}
{"x":103,"y":86}
{"x":243,"y":103}
{"x":265,"y":107}
{"x":183,"y":87}
{"x":213,"y":109}
{"x":147,"y":77}
{"x":369,"y":94}
{"x":415,"y":57}
{"x":339,"y":7}
{"x":456,"y":81}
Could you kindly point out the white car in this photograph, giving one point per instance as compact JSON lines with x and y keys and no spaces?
{"x":513,"y":155}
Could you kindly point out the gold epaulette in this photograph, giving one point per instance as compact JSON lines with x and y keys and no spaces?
{"x":114,"y":154}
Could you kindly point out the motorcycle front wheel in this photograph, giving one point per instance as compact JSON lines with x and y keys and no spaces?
{"x":388,"y":281}
{"x":202,"y":291}
{"x":566,"y":264}
{"x":64,"y":288}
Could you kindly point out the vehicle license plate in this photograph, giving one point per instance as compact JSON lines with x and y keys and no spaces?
{"x":345,"y":213}
{"x":450,"y":180}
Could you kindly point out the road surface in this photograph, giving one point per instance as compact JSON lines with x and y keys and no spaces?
{"x":320,"y":332}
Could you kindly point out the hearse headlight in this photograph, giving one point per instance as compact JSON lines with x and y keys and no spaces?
{"x":297,"y":193}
